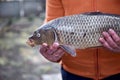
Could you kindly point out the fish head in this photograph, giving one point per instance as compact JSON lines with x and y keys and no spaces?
{"x":41,"y":36}
{"x":35,"y":38}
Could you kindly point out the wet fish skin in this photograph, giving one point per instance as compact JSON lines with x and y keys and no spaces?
{"x":83,"y":30}
{"x":79,"y":31}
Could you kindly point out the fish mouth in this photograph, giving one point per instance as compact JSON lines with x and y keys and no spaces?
{"x":31,"y":42}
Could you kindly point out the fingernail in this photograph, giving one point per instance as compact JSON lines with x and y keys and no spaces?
{"x":45,"y":44}
{"x":55,"y":44}
{"x":100,"y":39}
{"x":104,"y":33}
{"x":111,"y":30}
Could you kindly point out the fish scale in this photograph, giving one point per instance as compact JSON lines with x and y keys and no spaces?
{"x":86,"y":29}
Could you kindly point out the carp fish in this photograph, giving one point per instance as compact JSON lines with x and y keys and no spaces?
{"x":77,"y":31}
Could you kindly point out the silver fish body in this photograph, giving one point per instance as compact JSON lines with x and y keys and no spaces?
{"x":81,"y":30}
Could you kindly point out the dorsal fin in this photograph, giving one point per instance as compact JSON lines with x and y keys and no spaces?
{"x":100,"y":13}
{"x":92,"y":13}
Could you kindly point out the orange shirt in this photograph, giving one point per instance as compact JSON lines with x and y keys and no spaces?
{"x":96,"y":63}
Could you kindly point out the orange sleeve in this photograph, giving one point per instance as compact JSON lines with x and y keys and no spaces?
{"x":54,"y":9}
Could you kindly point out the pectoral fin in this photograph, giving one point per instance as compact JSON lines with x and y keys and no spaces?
{"x":69,"y":49}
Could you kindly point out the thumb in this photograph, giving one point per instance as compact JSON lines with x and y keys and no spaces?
{"x":56,"y":44}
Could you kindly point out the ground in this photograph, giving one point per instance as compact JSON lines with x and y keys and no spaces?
{"x":18,"y":61}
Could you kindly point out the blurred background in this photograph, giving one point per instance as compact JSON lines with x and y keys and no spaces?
{"x":18,"y":61}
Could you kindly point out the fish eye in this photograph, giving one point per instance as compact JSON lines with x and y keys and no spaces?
{"x":38,"y":35}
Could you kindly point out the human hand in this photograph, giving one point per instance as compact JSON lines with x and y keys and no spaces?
{"x":111,"y":40}
{"x":53,"y":53}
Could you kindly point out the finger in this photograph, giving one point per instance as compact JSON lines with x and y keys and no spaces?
{"x":105,"y":44}
{"x":45,"y":44}
{"x":59,"y":52}
{"x":114,"y":35}
{"x":53,"y":48}
{"x":43,"y":49}
{"x":110,"y":41}
{"x":51,"y":51}
{"x":55,"y":45}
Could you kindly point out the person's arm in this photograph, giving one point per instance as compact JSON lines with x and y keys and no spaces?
{"x":111,"y":40}
{"x":54,"y":9}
